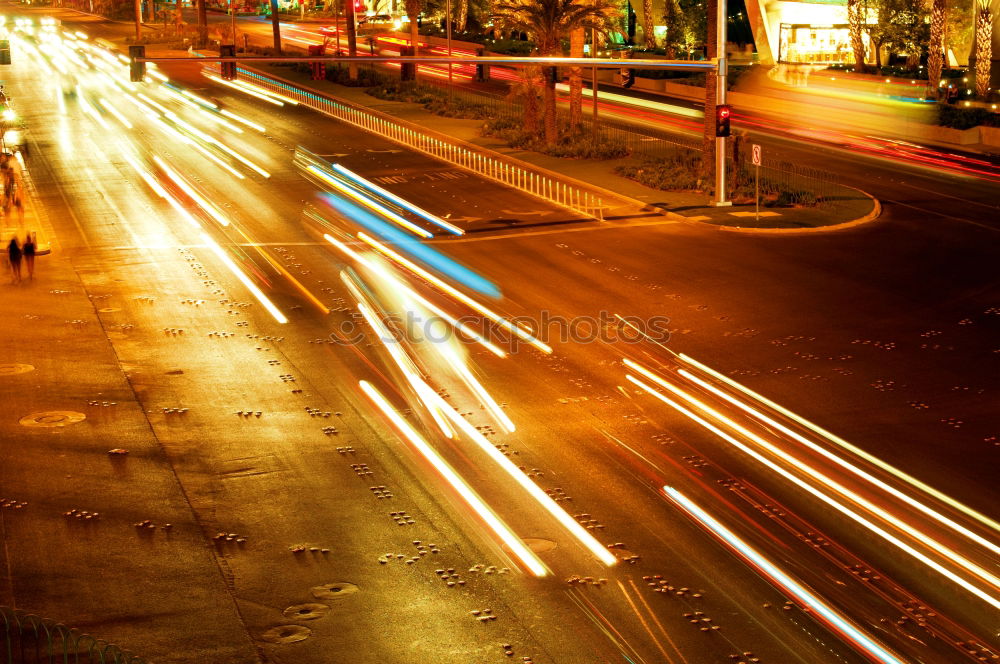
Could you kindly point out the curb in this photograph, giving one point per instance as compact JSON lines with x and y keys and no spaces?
{"x":606,"y":194}
{"x":602,"y":193}
{"x":853,"y":223}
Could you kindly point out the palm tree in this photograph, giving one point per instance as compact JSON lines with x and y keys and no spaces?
{"x":856,"y":22}
{"x":984,"y":47}
{"x":673,"y":18}
{"x":413,"y":9}
{"x":202,"y":24}
{"x":935,"y":55}
{"x":275,"y":26}
{"x":647,"y":24}
{"x":525,"y":88}
{"x":462,"y":17}
{"x":576,"y":39}
{"x":547,"y":21}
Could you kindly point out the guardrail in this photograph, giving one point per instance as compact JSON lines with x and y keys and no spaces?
{"x":484,"y":164}
{"x":28,"y":639}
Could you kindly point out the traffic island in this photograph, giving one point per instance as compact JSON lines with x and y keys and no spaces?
{"x":793,"y":207}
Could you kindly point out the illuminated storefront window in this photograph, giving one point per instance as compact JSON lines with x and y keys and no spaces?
{"x":814,"y":44}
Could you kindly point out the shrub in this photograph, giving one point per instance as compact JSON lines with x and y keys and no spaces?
{"x":958,"y":117}
{"x":681,"y":171}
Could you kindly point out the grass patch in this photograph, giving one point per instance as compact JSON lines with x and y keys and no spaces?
{"x":682,"y":172}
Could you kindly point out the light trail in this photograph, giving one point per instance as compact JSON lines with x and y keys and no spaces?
{"x":457,"y":294}
{"x":188,"y":189}
{"x":367,"y":202}
{"x":817,"y":475}
{"x":398,"y":286}
{"x":545,"y":500}
{"x":251,"y":286}
{"x":833,"y":618}
{"x":881,"y":532}
{"x":846,"y":445}
{"x":256,"y":90}
{"x":844,"y":463}
{"x":252,"y":93}
{"x":485,"y":398}
{"x":403,"y":362}
{"x":238,"y":118}
{"x":513,"y":542}
{"x":420,"y":212}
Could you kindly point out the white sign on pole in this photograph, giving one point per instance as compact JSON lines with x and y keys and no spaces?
{"x":756,"y":155}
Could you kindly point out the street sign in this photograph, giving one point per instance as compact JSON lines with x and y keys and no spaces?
{"x":756,"y":155}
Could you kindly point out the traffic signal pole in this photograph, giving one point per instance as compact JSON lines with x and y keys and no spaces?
{"x":721,"y":199}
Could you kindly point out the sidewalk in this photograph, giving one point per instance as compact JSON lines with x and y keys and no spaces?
{"x":692,"y":207}
{"x":70,"y":552}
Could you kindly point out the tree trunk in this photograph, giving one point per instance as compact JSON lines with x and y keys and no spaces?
{"x":549,"y":75}
{"x":138,"y":21}
{"x":856,"y":21}
{"x":202,"y":24}
{"x":463,"y":15}
{"x":179,"y":14}
{"x":415,"y":40}
{"x":878,"y":57}
{"x":935,"y":56}
{"x":711,"y":81}
{"x":984,"y":48}
{"x":352,"y":39}
{"x":647,"y":24}
{"x":275,"y":27}
{"x":576,"y":39}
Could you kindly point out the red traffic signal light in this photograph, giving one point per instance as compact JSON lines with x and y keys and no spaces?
{"x":722,"y":116}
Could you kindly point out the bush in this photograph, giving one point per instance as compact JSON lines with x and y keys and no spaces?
{"x":578,"y":145}
{"x":681,"y":171}
{"x":958,"y":117}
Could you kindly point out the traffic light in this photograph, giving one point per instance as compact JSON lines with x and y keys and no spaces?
{"x":628,"y":77}
{"x":4,"y":52}
{"x":136,"y":69}
{"x":228,"y":68}
{"x":722,"y":115}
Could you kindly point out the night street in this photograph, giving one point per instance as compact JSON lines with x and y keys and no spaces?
{"x":287,"y":390}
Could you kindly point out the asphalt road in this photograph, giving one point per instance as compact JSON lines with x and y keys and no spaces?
{"x":856,"y":331}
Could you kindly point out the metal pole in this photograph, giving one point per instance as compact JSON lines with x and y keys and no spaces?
{"x":721,"y":199}
{"x":448,"y":25}
{"x":593,"y":77}
{"x":232,"y":20}
{"x":756,"y":192}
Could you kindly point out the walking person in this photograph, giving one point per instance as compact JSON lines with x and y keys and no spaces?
{"x":11,"y":187}
{"x":28,"y":249}
{"x":14,"y":255}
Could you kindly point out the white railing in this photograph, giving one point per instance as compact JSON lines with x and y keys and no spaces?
{"x":487,"y":165}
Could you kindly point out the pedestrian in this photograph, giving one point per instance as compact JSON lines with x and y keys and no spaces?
{"x":28,"y":249}
{"x":14,"y":255}
{"x":11,"y":187}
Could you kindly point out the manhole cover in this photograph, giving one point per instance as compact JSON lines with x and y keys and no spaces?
{"x":52,"y":418}
{"x":310,"y":611}
{"x":334,"y":590}
{"x":536,"y":544}
{"x":286,"y":634}
{"x":108,"y":310}
{"x":14,"y":369}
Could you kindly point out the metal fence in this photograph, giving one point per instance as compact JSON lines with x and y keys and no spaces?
{"x":27,"y":639}
{"x":484,"y":163}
